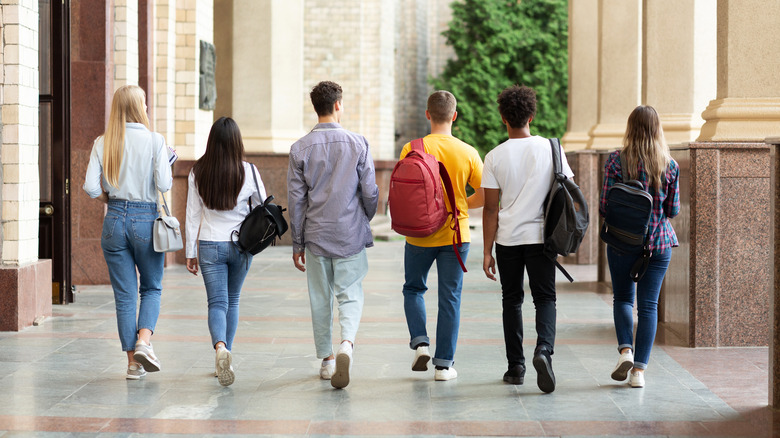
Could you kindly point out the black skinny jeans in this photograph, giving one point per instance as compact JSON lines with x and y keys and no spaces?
{"x":512,"y":261}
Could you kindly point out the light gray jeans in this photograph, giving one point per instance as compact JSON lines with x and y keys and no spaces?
{"x":340,"y":277}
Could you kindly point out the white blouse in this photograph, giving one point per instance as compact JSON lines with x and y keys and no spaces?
{"x":218,"y":225}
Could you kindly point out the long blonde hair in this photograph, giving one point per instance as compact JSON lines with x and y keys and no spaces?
{"x":644,"y":142}
{"x":128,"y":106}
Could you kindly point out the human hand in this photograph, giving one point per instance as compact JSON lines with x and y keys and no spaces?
{"x":192,"y":266}
{"x":489,"y":266}
{"x":300,"y":260}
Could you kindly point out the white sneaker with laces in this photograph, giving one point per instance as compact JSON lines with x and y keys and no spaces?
{"x":624,"y":365}
{"x":144,"y":354}
{"x":421,"y":357}
{"x":445,"y":374}
{"x":135,"y":371}
{"x":225,"y":372}
{"x":637,"y":379}
{"x":327,"y":369}
{"x":340,"y":378}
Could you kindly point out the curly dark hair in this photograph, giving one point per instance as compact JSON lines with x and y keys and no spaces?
{"x":324,"y":95}
{"x":517,"y":104}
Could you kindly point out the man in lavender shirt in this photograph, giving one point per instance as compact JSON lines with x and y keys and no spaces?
{"x":332,"y":196}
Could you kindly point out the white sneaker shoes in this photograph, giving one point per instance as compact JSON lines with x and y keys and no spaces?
{"x":225,"y":372}
{"x":327,"y":369}
{"x":421,"y":357}
{"x":445,"y":374}
{"x":624,"y":365}
{"x":340,"y":378}
{"x":637,"y":379}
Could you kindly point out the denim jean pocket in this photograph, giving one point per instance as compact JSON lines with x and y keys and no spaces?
{"x":109,"y":223}
{"x":209,"y":252}
{"x":142,"y":229}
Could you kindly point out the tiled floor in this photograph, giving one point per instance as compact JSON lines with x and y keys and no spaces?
{"x":66,"y":377}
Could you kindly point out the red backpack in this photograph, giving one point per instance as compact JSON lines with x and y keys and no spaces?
{"x":416,"y":198}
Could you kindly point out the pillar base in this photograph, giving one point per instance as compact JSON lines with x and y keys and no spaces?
{"x":25,"y":294}
{"x":741,"y":119}
{"x":574,"y":141}
{"x":680,"y":128}
{"x":607,"y":136}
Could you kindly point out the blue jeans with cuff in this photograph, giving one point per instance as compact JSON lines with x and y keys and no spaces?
{"x":417,"y":263}
{"x":127,"y":245}
{"x":647,"y":291}
{"x":224,"y":269}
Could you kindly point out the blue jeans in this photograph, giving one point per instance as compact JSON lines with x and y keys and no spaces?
{"x":647,"y":291}
{"x":417,"y":262}
{"x":127,"y":244}
{"x":340,"y":277}
{"x":224,"y":269}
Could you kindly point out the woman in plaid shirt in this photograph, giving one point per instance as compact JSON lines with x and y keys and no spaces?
{"x":647,"y":159}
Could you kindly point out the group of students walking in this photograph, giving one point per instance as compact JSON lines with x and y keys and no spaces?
{"x":332,"y":196}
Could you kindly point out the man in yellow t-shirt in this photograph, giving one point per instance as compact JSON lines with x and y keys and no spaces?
{"x":464,"y":166}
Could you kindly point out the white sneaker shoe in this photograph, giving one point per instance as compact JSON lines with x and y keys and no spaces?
{"x":340,"y":378}
{"x":327,"y":369}
{"x":421,"y":357}
{"x":624,"y":365}
{"x":225,"y":372}
{"x":637,"y":379}
{"x":445,"y":374}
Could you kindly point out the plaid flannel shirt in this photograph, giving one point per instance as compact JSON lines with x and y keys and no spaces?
{"x":666,"y":202}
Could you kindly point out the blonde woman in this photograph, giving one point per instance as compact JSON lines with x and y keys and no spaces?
{"x":127,"y":166}
{"x":646,"y":158}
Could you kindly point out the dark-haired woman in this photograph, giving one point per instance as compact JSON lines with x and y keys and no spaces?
{"x":646,"y":158}
{"x":220,"y":184}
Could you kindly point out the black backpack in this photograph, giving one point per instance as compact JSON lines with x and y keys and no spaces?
{"x":626,"y":227}
{"x":261,"y":226}
{"x":566,"y":215}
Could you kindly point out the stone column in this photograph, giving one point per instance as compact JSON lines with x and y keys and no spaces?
{"x":260,"y":70}
{"x":25,"y":282}
{"x":583,"y":73}
{"x":125,"y":43}
{"x":620,"y":62}
{"x":774,"y":265}
{"x":747,"y":106}
{"x":679,"y":64}
{"x":165,"y":69}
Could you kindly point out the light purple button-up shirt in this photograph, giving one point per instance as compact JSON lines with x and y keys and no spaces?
{"x":332,"y":192}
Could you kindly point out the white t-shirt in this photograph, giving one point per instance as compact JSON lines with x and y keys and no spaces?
{"x":522,"y":169}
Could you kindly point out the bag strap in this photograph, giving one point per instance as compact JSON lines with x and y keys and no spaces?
{"x":418,"y":146}
{"x":165,"y":204}
{"x":257,"y":186}
{"x":622,"y":171}
{"x":555,"y":145}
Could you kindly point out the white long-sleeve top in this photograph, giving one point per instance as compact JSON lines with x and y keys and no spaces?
{"x":143,"y":171}
{"x":218,"y":225}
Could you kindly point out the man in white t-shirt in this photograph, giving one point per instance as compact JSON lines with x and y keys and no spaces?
{"x":517,"y":176}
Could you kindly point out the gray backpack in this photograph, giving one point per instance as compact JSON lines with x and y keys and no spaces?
{"x":565,"y":214}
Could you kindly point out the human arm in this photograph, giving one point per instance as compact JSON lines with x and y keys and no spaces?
{"x":92,"y":180}
{"x":162,"y":169}
{"x":672,"y":202}
{"x":193,"y":218}
{"x":192,"y":265}
{"x":477,"y":199}
{"x":610,"y":175}
{"x":259,"y":194}
{"x":489,"y":228}
{"x":297,"y":201}
{"x":369,"y":191}
{"x":299,"y":260}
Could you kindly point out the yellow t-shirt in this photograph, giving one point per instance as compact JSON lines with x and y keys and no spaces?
{"x":464,"y":167}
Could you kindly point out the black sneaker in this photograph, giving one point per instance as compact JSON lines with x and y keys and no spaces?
{"x":545,"y":378}
{"x":515,"y":375}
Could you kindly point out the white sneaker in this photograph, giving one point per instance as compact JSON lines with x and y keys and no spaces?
{"x":327,"y":369}
{"x":445,"y":374}
{"x":340,"y":378}
{"x":637,"y":379}
{"x":624,"y":365}
{"x":421,"y":358}
{"x":225,"y":372}
{"x":135,"y":371}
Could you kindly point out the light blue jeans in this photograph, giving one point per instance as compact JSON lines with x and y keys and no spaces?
{"x":342,"y":277}
{"x":417,"y":262}
{"x":224,"y":269}
{"x":647,"y":291}
{"x":127,"y":244}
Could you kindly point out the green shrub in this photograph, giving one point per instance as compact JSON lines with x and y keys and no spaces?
{"x":499,"y":43}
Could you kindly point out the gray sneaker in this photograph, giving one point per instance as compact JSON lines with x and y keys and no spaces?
{"x":144,"y":354}
{"x":135,"y":371}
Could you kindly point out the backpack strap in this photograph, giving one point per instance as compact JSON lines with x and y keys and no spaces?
{"x":558,"y":175}
{"x":418,"y":146}
{"x":622,"y":173}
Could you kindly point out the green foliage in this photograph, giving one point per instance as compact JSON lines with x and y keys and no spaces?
{"x":499,"y":43}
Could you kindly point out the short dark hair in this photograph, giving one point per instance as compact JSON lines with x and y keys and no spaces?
{"x":441,"y":106}
{"x":517,"y":104}
{"x":324,"y":95}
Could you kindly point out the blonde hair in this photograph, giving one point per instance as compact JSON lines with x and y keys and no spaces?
{"x":127,"y":106}
{"x":644,"y":142}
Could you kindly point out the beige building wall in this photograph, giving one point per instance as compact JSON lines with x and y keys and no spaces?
{"x":165,"y":70}
{"x":583,"y":73}
{"x":19,"y":133}
{"x":747,"y":105}
{"x":125,"y":43}
{"x":679,"y":63}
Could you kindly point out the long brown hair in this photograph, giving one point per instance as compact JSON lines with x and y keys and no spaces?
{"x":127,"y":106}
{"x":219,"y":173}
{"x":644,"y":142}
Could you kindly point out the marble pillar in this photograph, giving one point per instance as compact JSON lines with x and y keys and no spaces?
{"x":774,"y":267}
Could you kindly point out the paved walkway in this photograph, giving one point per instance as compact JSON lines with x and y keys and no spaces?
{"x":66,"y":377}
